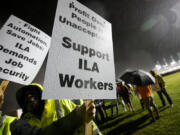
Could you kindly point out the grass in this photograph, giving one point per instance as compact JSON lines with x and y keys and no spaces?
{"x":139,"y":123}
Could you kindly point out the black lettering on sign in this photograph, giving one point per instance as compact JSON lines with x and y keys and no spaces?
{"x":10,"y":32}
{"x":83,"y":64}
{"x":83,"y":49}
{"x":31,"y":28}
{"x":84,"y":13}
{"x":67,"y":42}
{"x":14,"y":63}
{"x":21,"y":47}
{"x":70,"y":81}
{"x":20,"y":75}
{"x":66,"y":80}
{"x":34,"y":44}
{"x":79,"y":83}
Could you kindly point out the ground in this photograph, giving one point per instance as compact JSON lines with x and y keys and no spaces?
{"x":139,"y":123}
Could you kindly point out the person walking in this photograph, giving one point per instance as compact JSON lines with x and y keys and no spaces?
{"x":140,"y":99}
{"x":119,"y":97}
{"x":146,"y":96}
{"x":125,"y":93}
{"x":160,"y":88}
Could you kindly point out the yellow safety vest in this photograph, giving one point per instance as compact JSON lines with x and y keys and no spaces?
{"x":53,"y":110}
{"x":5,"y":122}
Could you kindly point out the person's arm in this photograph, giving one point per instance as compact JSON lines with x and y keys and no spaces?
{"x":161,"y":82}
{"x":22,"y":127}
{"x":66,"y":125}
{"x":138,"y":94}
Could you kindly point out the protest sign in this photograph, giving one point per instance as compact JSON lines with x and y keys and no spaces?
{"x":80,"y":62}
{"x":23,"y":48}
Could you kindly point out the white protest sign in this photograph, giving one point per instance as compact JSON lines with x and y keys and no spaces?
{"x":80,"y":61}
{"x":23,"y":48}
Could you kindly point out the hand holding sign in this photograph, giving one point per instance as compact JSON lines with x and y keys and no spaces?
{"x":87,"y":111}
{"x":90,"y":114}
{"x":90,"y":110}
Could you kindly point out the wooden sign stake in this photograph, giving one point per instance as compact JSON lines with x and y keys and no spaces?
{"x":4,"y":85}
{"x":88,"y":125}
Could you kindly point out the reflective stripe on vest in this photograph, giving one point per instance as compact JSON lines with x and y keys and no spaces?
{"x":96,"y":131}
{"x":58,"y":109}
{"x":2,"y":118}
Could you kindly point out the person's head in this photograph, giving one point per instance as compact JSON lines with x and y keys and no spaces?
{"x":29,"y":98}
{"x":123,"y":83}
{"x":153,"y":73}
{"x":119,"y":82}
{"x":1,"y":97}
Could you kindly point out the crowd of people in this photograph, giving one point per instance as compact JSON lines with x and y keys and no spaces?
{"x":44,"y":117}
{"x":125,"y":93}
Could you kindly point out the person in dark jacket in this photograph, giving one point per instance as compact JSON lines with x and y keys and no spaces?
{"x":65,"y":126}
{"x":41,"y":118}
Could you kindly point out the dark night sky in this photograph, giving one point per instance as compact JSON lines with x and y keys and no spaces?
{"x":144,"y":31}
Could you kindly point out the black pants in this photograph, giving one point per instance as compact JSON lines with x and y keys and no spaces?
{"x":160,"y":93}
{"x":99,"y":110}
